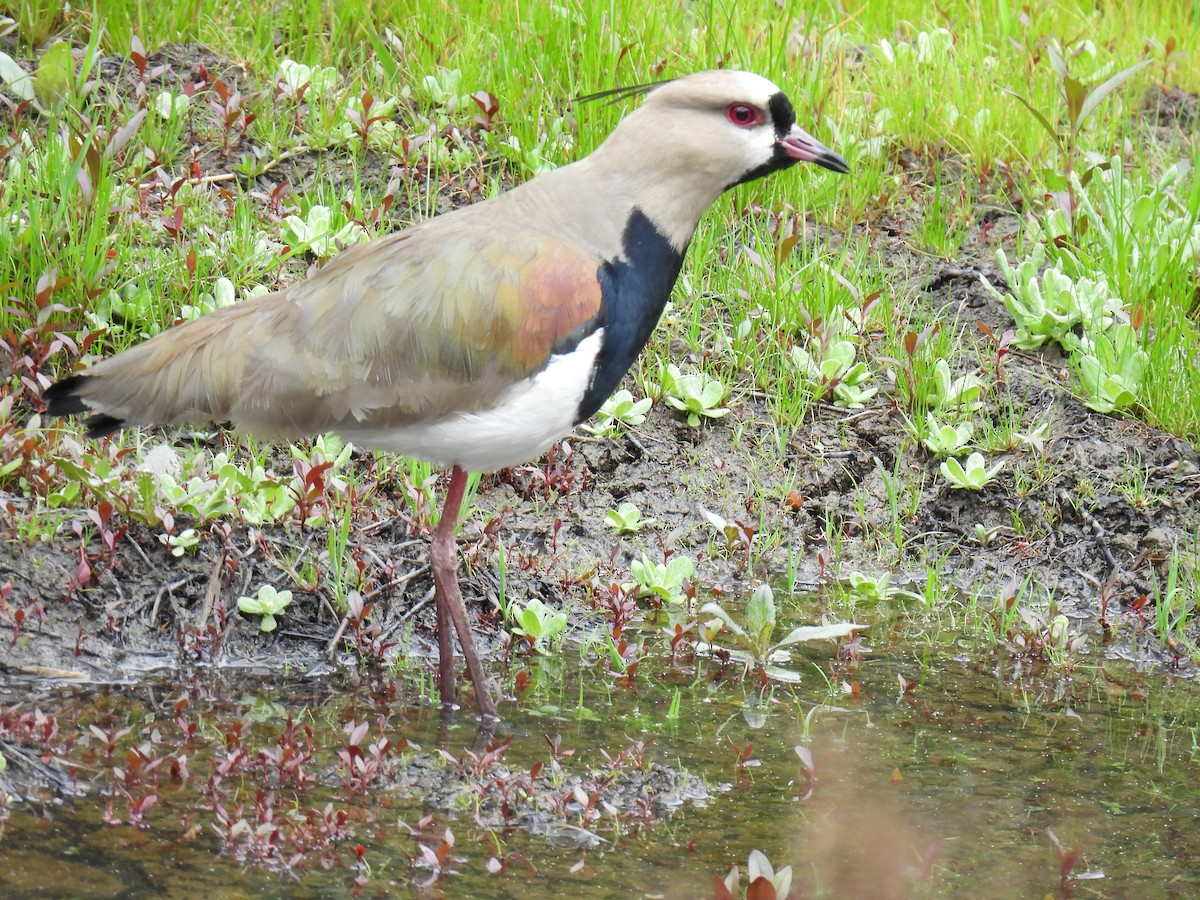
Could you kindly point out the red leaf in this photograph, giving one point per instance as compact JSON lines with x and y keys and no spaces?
{"x":720,"y":891}
{"x":760,"y":889}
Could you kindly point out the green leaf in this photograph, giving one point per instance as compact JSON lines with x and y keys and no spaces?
{"x":715,"y":609}
{"x":1056,"y":61}
{"x":1074,"y":93}
{"x":777,"y":673}
{"x":819,"y":633}
{"x":1099,"y":94}
{"x":760,"y":615}
{"x":52,"y":83}
{"x":1045,"y":123}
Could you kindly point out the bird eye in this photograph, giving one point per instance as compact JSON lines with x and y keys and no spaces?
{"x":743,"y":115}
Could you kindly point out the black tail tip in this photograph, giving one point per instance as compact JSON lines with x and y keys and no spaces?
{"x":63,"y":399}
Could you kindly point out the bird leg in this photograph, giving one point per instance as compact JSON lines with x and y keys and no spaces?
{"x":443,"y":559}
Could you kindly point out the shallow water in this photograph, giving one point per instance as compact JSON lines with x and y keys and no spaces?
{"x":946,"y":789}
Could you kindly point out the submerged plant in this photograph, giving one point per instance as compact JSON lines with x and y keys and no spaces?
{"x":665,"y":581}
{"x":763,"y":880}
{"x":761,"y":651}
{"x":537,"y":622}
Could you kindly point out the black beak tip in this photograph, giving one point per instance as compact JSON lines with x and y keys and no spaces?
{"x":833,"y":162}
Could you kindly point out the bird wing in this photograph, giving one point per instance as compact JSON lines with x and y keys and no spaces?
{"x":442,"y":317}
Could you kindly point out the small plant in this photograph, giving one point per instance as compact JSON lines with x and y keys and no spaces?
{"x":984,"y":535}
{"x":834,"y":373}
{"x":974,"y":476}
{"x":620,"y":411}
{"x":626,"y":519}
{"x":1111,"y":368}
{"x":443,"y":90}
{"x":267,"y":603}
{"x":370,"y":121}
{"x":941,"y":439}
{"x":761,"y":651}
{"x":875,"y":590}
{"x":316,"y":232}
{"x":764,"y":881}
{"x":223,"y":294}
{"x":946,"y":393}
{"x":171,"y":106}
{"x":665,"y":581}
{"x":299,"y":79}
{"x":867,"y":588}
{"x":184,"y":542}
{"x":698,"y":395}
{"x":537,"y":622}
{"x":1050,"y":306}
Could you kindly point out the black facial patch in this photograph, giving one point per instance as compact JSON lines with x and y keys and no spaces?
{"x":783,"y":115}
{"x":633,"y":292}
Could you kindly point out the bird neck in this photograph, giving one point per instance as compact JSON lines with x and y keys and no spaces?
{"x":672,"y":198}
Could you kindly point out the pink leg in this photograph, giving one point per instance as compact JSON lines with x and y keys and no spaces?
{"x":443,"y":558}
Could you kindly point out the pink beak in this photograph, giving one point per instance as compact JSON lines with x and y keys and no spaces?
{"x":802,"y":146}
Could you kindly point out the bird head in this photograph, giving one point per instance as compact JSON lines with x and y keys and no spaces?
{"x":697,"y":136}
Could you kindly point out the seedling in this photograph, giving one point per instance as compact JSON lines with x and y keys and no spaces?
{"x":974,"y":476}
{"x":299,"y":79}
{"x":764,"y":881}
{"x":267,"y":603}
{"x":1035,"y":437}
{"x":171,"y":106}
{"x":833,"y":373}
{"x":865,"y":587}
{"x":316,"y":232}
{"x":443,"y":90}
{"x":619,"y":412}
{"x":663,"y":581}
{"x":944,"y":440}
{"x":960,"y":394}
{"x":760,"y":651}
{"x":1111,"y":368}
{"x":626,"y":519}
{"x":537,"y":622}
{"x":698,"y":395}
{"x":370,"y":120}
{"x":184,"y":542}
{"x":985,"y":535}
{"x":223,"y":294}
{"x":733,"y":531}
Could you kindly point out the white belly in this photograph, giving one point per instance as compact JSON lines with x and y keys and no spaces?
{"x":530,"y":416}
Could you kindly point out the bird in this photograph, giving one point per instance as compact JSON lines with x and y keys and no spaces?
{"x":476,"y":339}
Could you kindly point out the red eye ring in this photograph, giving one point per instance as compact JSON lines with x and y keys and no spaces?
{"x":743,"y":115}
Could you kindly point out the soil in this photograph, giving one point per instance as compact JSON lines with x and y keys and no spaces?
{"x":1084,"y":533}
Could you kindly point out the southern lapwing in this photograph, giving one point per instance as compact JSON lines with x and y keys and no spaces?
{"x":476,"y":339}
